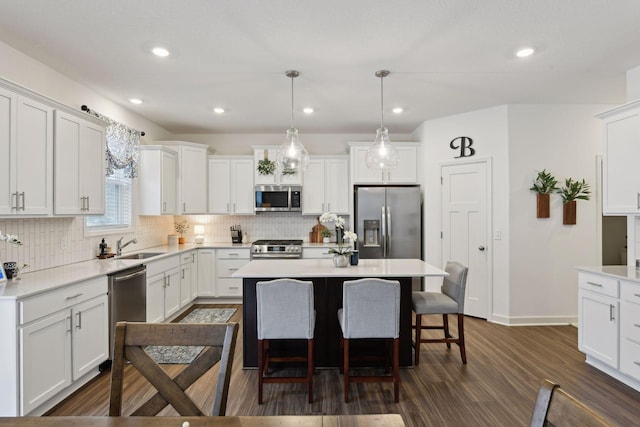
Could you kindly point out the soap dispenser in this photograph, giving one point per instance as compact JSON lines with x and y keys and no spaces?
{"x":103,"y":247}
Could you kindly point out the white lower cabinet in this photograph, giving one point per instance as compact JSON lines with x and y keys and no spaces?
{"x":630,"y":329}
{"x":315,"y":253}
{"x":63,"y":337}
{"x":206,"y":272}
{"x":163,"y":288}
{"x":228,"y":261}
{"x":188,"y":277}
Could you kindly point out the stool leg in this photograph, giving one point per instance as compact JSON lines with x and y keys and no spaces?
{"x":463,"y":352}
{"x":260,"y":367}
{"x":418,"y":337}
{"x":445,"y":325}
{"x":346,"y":369}
{"x":310,"y":369}
{"x":396,"y":370}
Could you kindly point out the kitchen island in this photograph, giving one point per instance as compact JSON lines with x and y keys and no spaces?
{"x":327,"y":284}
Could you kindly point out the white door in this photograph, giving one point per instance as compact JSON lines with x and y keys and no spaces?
{"x":464,"y":228}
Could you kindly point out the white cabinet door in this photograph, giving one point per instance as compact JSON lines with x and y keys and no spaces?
{"x":193,"y":177}
{"x":155,"y":298}
{"x":620,"y":178}
{"x":206,"y":272}
{"x":405,"y":173}
{"x":598,"y":326}
{"x":231,"y":188}
{"x":242,"y":189}
{"x":188,"y":277}
{"x":168,"y":193}
{"x":219,"y":186}
{"x":8,"y":102}
{"x":336,"y":186}
{"x":172,"y":293}
{"x":157,"y":180}
{"x":313,"y":196}
{"x":46,"y":359}
{"x":194,"y":275}
{"x":271,"y":152}
{"x":90,"y":335}
{"x":78,"y":166}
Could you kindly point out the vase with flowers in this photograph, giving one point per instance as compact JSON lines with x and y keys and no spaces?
{"x":181,"y":227}
{"x":11,"y":268}
{"x":342,"y":253}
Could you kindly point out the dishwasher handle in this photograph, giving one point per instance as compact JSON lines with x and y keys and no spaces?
{"x":129,"y":276}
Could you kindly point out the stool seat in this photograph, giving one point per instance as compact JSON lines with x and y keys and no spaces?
{"x":432,"y":303}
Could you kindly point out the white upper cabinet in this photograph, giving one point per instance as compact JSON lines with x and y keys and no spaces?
{"x":270,"y":152}
{"x":26,"y":150}
{"x":620,"y":177}
{"x":231,"y":189}
{"x":157,"y":180}
{"x":192,"y":176}
{"x":405,"y":173}
{"x":79,"y":165}
{"x":326,"y":186}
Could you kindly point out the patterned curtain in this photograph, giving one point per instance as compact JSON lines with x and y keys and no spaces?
{"x":123,"y":146}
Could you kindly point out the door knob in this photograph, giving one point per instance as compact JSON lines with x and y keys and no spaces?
{"x":481,"y":248}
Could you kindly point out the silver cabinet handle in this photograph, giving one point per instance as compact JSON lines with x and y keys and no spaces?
{"x":638,"y":201}
{"x":14,"y":201}
{"x":328,"y":206}
{"x":23,"y":202}
{"x":637,"y":363}
{"x":88,"y":206}
{"x":164,"y":206}
{"x":79,"y":325}
{"x":636,"y":295}
{"x":594,"y":284}
{"x":184,"y":206}
{"x":637,"y":325}
{"x":74,"y":296}
{"x":68,"y":319}
{"x":612,"y":312}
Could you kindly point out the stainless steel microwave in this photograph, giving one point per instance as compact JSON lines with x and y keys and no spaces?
{"x":278,"y":198}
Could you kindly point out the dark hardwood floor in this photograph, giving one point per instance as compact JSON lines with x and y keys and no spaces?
{"x":497,"y":387}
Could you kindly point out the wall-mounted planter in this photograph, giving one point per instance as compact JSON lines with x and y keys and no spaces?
{"x":569,"y":213}
{"x":543,"y":205}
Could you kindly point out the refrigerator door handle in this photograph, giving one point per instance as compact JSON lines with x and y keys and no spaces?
{"x":384,"y":232}
{"x":388,"y":248}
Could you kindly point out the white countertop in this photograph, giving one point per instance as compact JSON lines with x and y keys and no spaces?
{"x":625,"y":272}
{"x":300,"y":268}
{"x":32,"y":283}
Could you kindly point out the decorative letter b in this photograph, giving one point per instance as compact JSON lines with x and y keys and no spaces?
{"x":465,"y":146}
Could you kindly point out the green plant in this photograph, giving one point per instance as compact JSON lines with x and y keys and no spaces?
{"x":572,"y":190}
{"x":266,"y":167}
{"x":545,"y":183}
{"x":325,"y":232}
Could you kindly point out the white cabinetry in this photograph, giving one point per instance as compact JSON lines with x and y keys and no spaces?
{"x":206,"y":273}
{"x":163,"y":288}
{"x":316,"y":253}
{"x":228,"y":261}
{"x":261,"y":152}
{"x":157,"y":180}
{"x":192,"y":176}
{"x":326,"y":186}
{"x":79,"y":165}
{"x":620,"y":177}
{"x":630,"y":329}
{"x":63,"y":336}
{"x":405,"y":173}
{"x":231,"y":189}
{"x":26,"y":147}
{"x":188,"y":277}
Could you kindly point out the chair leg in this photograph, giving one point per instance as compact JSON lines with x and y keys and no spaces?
{"x":310,"y":368}
{"x":463,"y":352}
{"x":345,"y":367}
{"x":396,"y":368}
{"x":261,"y":355}
{"x":418,"y":338}
{"x":445,"y":326}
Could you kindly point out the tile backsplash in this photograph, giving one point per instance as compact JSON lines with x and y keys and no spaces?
{"x":51,"y":242}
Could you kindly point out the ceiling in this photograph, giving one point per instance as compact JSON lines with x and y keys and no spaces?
{"x":445,"y":57}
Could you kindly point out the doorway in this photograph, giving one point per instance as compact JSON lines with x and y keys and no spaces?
{"x":614,"y":240}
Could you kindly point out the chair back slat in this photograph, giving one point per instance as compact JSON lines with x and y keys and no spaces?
{"x":455,"y":284}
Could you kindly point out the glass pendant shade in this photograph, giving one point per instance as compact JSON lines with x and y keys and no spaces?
{"x":382,"y":154}
{"x":292,"y":155}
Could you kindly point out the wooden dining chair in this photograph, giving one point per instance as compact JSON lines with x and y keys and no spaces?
{"x":219,"y":341}
{"x":556,"y":408}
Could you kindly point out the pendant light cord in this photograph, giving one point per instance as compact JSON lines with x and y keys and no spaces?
{"x":381,"y":102}
{"x":292,"y":102}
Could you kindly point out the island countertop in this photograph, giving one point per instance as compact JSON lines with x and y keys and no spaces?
{"x":301,"y":268}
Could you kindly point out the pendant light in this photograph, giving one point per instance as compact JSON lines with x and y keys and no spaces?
{"x":292,"y":156}
{"x":382,"y":154}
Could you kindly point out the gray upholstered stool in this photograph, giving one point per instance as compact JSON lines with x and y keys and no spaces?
{"x":370,"y":309}
{"x":449,"y":301}
{"x":285,"y":310}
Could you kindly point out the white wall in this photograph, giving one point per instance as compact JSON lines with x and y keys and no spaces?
{"x":488,"y":128}
{"x":534,"y":280}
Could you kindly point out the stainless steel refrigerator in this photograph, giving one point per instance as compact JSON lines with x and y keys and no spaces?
{"x":388,"y":221}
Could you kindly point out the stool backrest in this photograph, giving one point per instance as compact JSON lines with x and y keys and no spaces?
{"x":455,"y":284}
{"x":371,"y":308}
{"x":285,"y":309}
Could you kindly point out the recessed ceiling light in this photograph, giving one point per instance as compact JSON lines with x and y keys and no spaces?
{"x":136,"y":101}
{"x":524,"y":52}
{"x":307,"y":110}
{"x":398,"y":110}
{"x":160,"y":51}
{"x":218,"y":110}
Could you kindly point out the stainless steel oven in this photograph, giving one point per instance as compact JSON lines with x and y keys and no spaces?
{"x":276,"y":249}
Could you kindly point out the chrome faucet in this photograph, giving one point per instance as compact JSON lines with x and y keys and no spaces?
{"x":120,"y":246}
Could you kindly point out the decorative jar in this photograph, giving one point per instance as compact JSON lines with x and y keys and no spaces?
{"x":340,"y":261}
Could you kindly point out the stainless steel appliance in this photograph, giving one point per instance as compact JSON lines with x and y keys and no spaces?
{"x":276,"y":249}
{"x":127,"y":298}
{"x":388,"y":221}
{"x":278,"y":198}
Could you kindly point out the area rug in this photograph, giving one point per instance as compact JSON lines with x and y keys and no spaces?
{"x":186,"y":354}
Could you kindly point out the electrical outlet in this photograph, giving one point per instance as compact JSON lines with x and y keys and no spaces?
{"x":497,"y":235}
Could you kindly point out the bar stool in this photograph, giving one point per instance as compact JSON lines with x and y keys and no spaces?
{"x":285,"y":310}
{"x":370,"y":309}
{"x":449,"y":301}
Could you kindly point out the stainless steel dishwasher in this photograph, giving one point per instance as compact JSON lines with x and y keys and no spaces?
{"x":127,"y":298}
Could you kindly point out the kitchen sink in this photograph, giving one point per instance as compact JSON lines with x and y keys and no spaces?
{"x":141,"y":255}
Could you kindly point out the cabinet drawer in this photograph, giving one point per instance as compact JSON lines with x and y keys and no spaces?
{"x":229,"y":287}
{"x":630,"y":291}
{"x":187,"y":258}
{"x":162,"y":265}
{"x":630,"y":358}
{"x":226,"y":267}
{"x":630,"y":321}
{"x":49,"y":302}
{"x":233,"y":253}
{"x":309,"y":253}
{"x":596,"y":283}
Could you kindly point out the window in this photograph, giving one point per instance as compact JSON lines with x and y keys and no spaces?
{"x":118,"y":205}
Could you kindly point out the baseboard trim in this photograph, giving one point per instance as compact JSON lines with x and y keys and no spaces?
{"x":534,"y":320}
